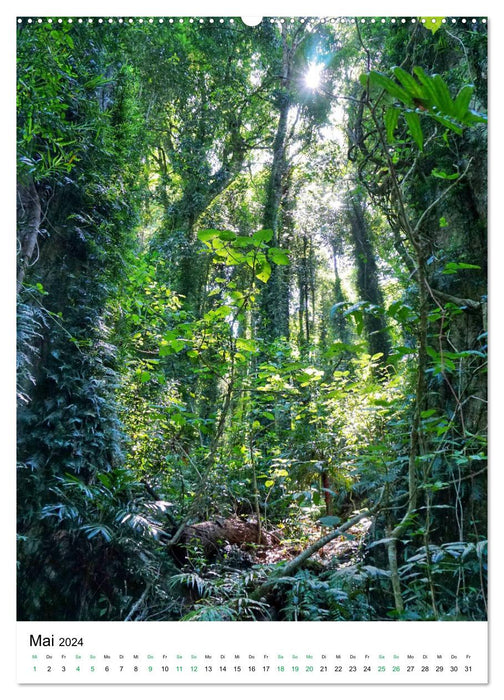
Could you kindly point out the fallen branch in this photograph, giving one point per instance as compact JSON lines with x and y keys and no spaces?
{"x":293,"y":565}
{"x":138,"y":604}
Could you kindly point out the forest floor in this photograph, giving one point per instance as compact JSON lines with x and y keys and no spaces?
{"x":339,"y":552}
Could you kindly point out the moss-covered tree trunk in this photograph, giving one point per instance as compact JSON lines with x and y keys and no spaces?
{"x":274,"y":312}
{"x":368,"y":284}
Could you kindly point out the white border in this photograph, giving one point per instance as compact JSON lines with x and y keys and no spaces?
{"x":279,"y":8}
{"x":222,"y":8}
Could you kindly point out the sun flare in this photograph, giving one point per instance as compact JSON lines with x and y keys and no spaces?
{"x":313,"y":75}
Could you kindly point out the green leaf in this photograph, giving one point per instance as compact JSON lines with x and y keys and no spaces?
{"x":452,"y":267}
{"x":330,"y":521}
{"x":448,"y":124}
{"x":252,"y":257}
{"x":234,"y":257}
{"x":413,"y":122}
{"x":432,"y":23}
{"x":219,"y":312}
{"x":269,"y":483}
{"x":246,"y":344}
{"x":264,"y":271}
{"x":429,"y":94}
{"x":243,"y":241}
{"x":178,"y":344}
{"x":462,"y":101}
{"x":207,"y":235}
{"x":382,"y":81}
{"x":278,"y":256}
{"x":445,"y":102}
{"x":227,"y":235}
{"x":98,"y":529}
{"x":444,"y":176}
{"x":409,"y":83}
{"x":178,"y":419}
{"x":390,"y":119}
{"x":237,"y":297}
{"x":262,"y":236}
{"x":402,"y":351}
{"x":399,"y":310}
{"x":356,"y":312}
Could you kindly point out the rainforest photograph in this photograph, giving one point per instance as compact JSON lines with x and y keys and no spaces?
{"x":252,"y":319}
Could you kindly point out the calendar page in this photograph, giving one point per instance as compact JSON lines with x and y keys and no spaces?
{"x":252,"y":336}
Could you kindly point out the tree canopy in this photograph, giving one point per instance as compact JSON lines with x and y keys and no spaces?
{"x":252,"y":327}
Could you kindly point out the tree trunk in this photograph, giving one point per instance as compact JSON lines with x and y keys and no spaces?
{"x":275,"y":296}
{"x":30,"y":218}
{"x":367,"y":281}
{"x":326,"y":487}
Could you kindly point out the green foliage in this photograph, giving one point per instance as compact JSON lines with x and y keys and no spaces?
{"x":223,"y":597}
{"x":87,"y":538}
{"x":196,"y":329}
{"x":432,"y":23}
{"x":48,"y":142}
{"x":353,"y":592}
{"x":423,"y":94}
{"x":458,"y":575}
{"x":230,"y":249}
{"x":73,"y":149}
